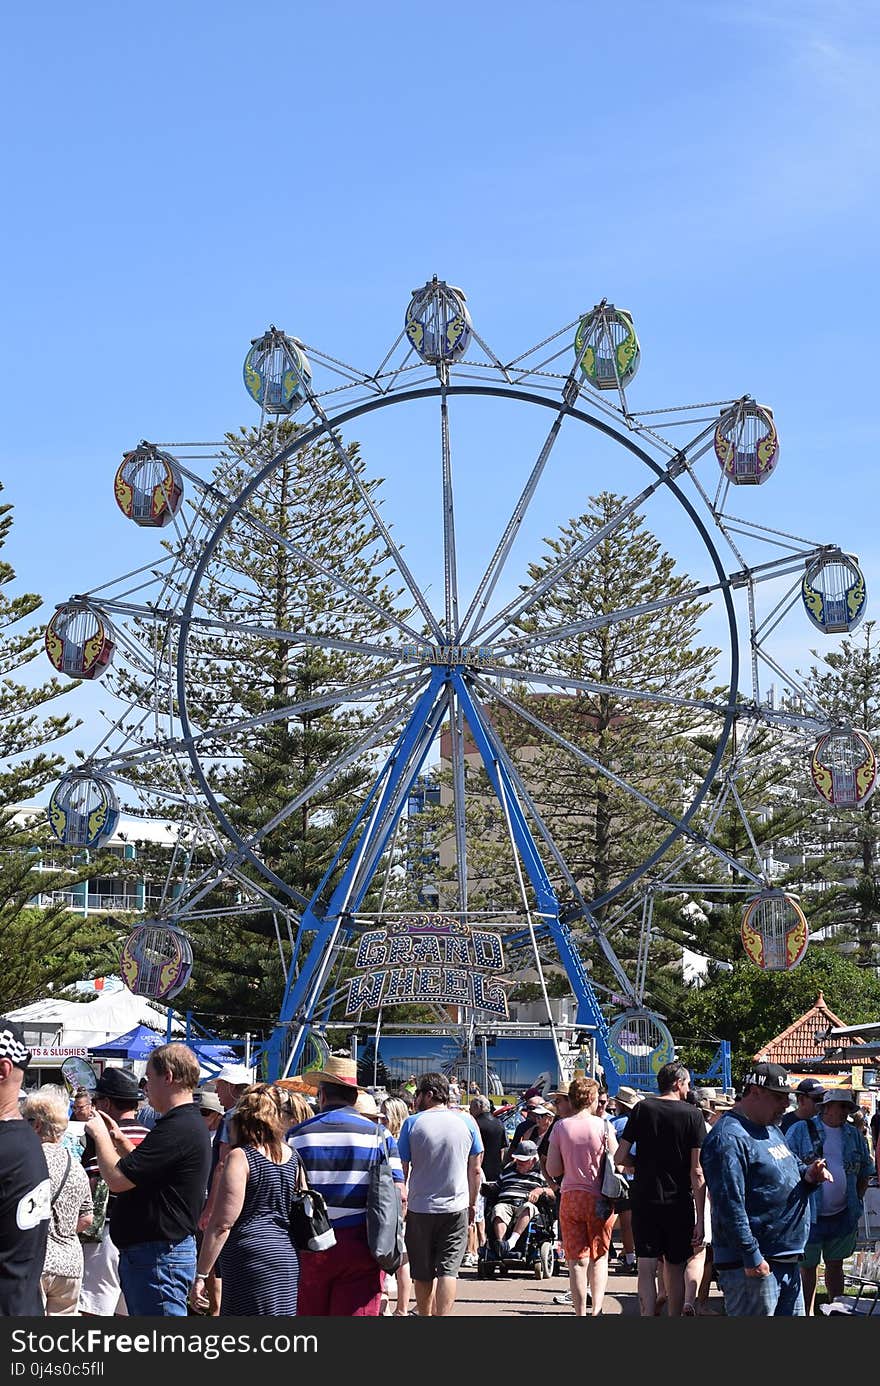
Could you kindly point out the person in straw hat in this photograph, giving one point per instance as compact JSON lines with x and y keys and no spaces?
{"x":836,"y":1204}
{"x":337,"y":1148}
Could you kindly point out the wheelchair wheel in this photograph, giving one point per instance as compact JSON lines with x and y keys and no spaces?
{"x":544,"y":1263}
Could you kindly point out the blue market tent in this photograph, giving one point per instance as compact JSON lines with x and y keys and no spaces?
{"x":141,"y":1041}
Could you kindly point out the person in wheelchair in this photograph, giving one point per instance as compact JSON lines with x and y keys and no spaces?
{"x":521,"y":1196}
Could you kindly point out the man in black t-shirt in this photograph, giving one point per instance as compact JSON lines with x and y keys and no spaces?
{"x":24,"y":1187}
{"x":668,"y":1192}
{"x":161,"y":1187}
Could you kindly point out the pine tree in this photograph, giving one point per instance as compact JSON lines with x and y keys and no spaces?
{"x":839,"y":849}
{"x":40,"y":949}
{"x":602,"y":830}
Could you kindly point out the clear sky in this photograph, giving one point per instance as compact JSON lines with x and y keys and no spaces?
{"x":176,"y":176}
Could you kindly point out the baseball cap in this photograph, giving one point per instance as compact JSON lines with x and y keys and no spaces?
{"x":811,"y":1087}
{"x":526,"y":1150}
{"x":770,"y":1077}
{"x":207,"y":1101}
{"x":236,"y":1075}
{"x":12,"y":1044}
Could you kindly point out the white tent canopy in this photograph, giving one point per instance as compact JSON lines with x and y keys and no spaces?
{"x":74,"y":1024}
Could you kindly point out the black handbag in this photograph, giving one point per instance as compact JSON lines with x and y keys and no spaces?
{"x":310,"y":1226}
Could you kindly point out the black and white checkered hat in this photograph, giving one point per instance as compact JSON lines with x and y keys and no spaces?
{"x":12,"y":1043}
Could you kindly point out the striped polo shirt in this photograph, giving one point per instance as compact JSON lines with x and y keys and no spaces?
{"x":337,"y":1149}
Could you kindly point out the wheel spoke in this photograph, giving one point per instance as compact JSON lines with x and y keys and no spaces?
{"x":364,"y":744}
{"x":648,"y":695}
{"x":483,"y":594}
{"x":450,"y":573}
{"x":364,"y":692}
{"x":367,"y":500}
{"x":557,"y":634}
{"x":679,"y":825}
{"x":389,"y":617}
{"x":509,"y":615}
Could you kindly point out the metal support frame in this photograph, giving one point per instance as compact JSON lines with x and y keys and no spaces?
{"x":447,"y":691}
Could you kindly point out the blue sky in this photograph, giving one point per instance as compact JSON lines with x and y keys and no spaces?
{"x":178,"y":176}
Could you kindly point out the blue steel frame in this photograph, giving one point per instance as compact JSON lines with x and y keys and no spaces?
{"x":303,"y":993}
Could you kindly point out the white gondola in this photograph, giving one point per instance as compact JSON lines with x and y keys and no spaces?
{"x":277,"y":372}
{"x":83,"y":809}
{"x":834,"y":593}
{"x":438,"y":323}
{"x":80,"y":640}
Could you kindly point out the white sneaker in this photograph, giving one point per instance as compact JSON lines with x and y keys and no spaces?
{"x":565,"y":1297}
{"x":469,"y":1259}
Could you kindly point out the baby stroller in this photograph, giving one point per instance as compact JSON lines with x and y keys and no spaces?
{"x":536,"y":1249}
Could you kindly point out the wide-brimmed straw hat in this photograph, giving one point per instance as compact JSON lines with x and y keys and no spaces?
{"x":627,"y":1097}
{"x":341,"y":1071}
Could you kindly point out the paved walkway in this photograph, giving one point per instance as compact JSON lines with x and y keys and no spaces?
{"x":520,"y":1295}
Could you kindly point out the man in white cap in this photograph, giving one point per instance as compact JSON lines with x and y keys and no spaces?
{"x":24,"y":1187}
{"x":337,"y":1148}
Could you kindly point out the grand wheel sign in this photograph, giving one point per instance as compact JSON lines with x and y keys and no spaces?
{"x":428,"y":958}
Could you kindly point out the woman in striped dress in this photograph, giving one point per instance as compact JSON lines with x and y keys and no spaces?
{"x":250,"y":1224}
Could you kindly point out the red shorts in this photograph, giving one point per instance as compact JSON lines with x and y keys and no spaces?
{"x":585,"y":1221}
{"x":344,"y":1282}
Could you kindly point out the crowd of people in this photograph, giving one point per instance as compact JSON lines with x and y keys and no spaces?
{"x":167,"y":1197}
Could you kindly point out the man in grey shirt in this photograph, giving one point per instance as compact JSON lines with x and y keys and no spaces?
{"x":442,"y":1155}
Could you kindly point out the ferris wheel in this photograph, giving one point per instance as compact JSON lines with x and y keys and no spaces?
{"x":457,"y":636}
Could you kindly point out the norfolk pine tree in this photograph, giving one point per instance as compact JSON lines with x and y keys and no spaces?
{"x":839,"y":849}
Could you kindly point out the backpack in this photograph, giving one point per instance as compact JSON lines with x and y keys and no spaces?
{"x":384,"y":1217}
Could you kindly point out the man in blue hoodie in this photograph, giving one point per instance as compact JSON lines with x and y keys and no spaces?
{"x":760,"y":1196}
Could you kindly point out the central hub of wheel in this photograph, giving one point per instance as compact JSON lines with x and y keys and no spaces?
{"x":446,"y":656}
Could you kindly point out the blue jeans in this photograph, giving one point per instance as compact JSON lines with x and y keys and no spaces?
{"x":776,"y":1295}
{"x":156,"y":1277}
